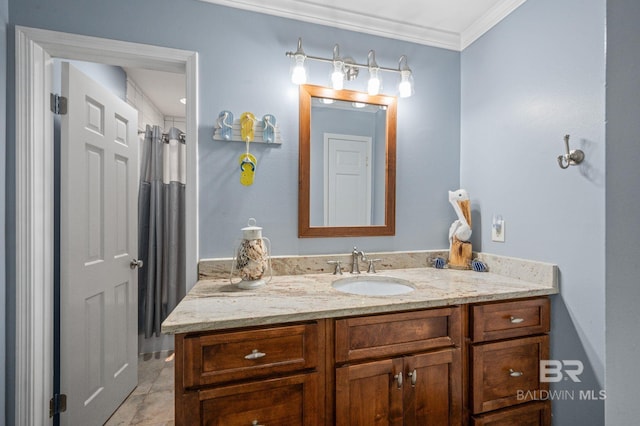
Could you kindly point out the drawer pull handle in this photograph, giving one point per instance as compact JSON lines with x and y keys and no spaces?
{"x":398,"y":378}
{"x":414,"y":377}
{"x":513,"y":373}
{"x":255,"y":423}
{"x":515,"y":320}
{"x":255,"y":354}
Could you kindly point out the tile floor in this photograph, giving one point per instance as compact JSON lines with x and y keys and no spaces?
{"x":151,"y":403}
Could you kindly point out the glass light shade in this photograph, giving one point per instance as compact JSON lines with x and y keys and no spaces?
{"x":375,"y":83}
{"x":406,"y":85}
{"x":337,"y":76}
{"x":299,"y":72}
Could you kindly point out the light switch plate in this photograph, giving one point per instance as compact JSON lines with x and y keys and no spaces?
{"x":495,"y":235}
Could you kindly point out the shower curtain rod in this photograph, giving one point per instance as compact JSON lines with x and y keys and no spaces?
{"x":165,"y":136}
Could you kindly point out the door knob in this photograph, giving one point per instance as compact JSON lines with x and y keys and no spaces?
{"x":135,"y":263}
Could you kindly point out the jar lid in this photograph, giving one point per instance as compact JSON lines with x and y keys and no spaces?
{"x":251,"y":231}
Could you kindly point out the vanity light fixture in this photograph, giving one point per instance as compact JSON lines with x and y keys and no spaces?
{"x":299,"y":71}
{"x":337,"y":76}
{"x":406,"y":78}
{"x":375,"y":83}
{"x":347,"y":69}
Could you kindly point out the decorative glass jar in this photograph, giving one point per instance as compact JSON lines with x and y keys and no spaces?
{"x":252,"y":259}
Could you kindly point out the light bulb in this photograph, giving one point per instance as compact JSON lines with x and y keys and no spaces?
{"x":299,"y":73}
{"x":337,"y":76}
{"x":373,"y":86}
{"x":406,"y":87}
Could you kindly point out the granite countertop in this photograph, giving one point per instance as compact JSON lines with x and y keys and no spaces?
{"x":215,"y":304}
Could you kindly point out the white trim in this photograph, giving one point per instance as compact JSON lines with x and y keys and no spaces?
{"x":488,"y":21}
{"x":34,"y":192}
{"x":334,"y":16}
{"x":34,"y":235}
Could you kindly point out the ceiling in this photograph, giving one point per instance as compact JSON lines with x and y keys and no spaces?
{"x":449,"y":24}
{"x":164,"y":89}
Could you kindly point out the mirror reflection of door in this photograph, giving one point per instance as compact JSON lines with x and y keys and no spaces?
{"x":347,"y":180}
{"x":347,"y":205}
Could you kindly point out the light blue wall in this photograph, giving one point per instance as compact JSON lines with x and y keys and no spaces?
{"x":623,"y":211}
{"x":110,"y":77}
{"x":4,"y":19}
{"x":242,"y":67}
{"x":535,"y":77}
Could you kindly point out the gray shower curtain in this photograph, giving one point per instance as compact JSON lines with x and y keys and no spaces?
{"x":161,"y":227}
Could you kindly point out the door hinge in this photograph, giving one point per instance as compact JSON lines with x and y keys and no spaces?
{"x":58,"y":104}
{"x":57,"y":404}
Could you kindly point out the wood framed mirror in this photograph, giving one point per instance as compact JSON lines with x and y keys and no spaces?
{"x":347,"y":163}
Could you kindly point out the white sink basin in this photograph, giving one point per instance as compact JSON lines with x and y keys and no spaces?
{"x":372,"y":285}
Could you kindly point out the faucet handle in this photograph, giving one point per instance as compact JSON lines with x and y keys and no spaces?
{"x":372,"y":268}
{"x":338,"y":267}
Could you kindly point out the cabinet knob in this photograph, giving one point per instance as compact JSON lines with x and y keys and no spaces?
{"x":515,"y":320}
{"x":255,"y":354}
{"x":255,"y":423}
{"x":414,"y":377}
{"x":398,"y":378}
{"x":513,"y":373}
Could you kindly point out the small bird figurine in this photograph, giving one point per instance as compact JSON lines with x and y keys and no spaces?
{"x":460,"y":249}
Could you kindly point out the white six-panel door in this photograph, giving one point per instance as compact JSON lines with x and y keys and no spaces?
{"x":98,"y":220}
{"x":347,"y":180}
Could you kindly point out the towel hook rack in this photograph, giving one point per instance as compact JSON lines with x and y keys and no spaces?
{"x":571,"y":157}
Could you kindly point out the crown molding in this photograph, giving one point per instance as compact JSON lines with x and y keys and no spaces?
{"x":375,"y":25}
{"x":488,"y":21}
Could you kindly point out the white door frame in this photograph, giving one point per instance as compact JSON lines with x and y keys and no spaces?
{"x":34,"y":192}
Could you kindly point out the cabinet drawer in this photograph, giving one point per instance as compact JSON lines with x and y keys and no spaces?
{"x":507,"y":373}
{"x":531,"y":414}
{"x":289,"y":401}
{"x":502,"y":320}
{"x":395,"y":334}
{"x":236,"y":355}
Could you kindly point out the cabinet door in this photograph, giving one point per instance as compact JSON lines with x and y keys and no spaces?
{"x":370,"y":394}
{"x":289,"y":401}
{"x":432,"y":394}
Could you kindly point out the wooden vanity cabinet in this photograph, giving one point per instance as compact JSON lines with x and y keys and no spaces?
{"x":407,"y":368}
{"x":271,"y":375}
{"x":506,"y":342}
{"x":399,"y":369}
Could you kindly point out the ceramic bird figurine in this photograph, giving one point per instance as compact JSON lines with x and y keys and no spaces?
{"x":460,"y":230}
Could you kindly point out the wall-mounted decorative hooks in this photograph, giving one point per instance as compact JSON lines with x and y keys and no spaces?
{"x":265,"y":129}
{"x":571,"y":157}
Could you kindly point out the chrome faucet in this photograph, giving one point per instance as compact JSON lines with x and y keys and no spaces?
{"x":355,"y":254}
